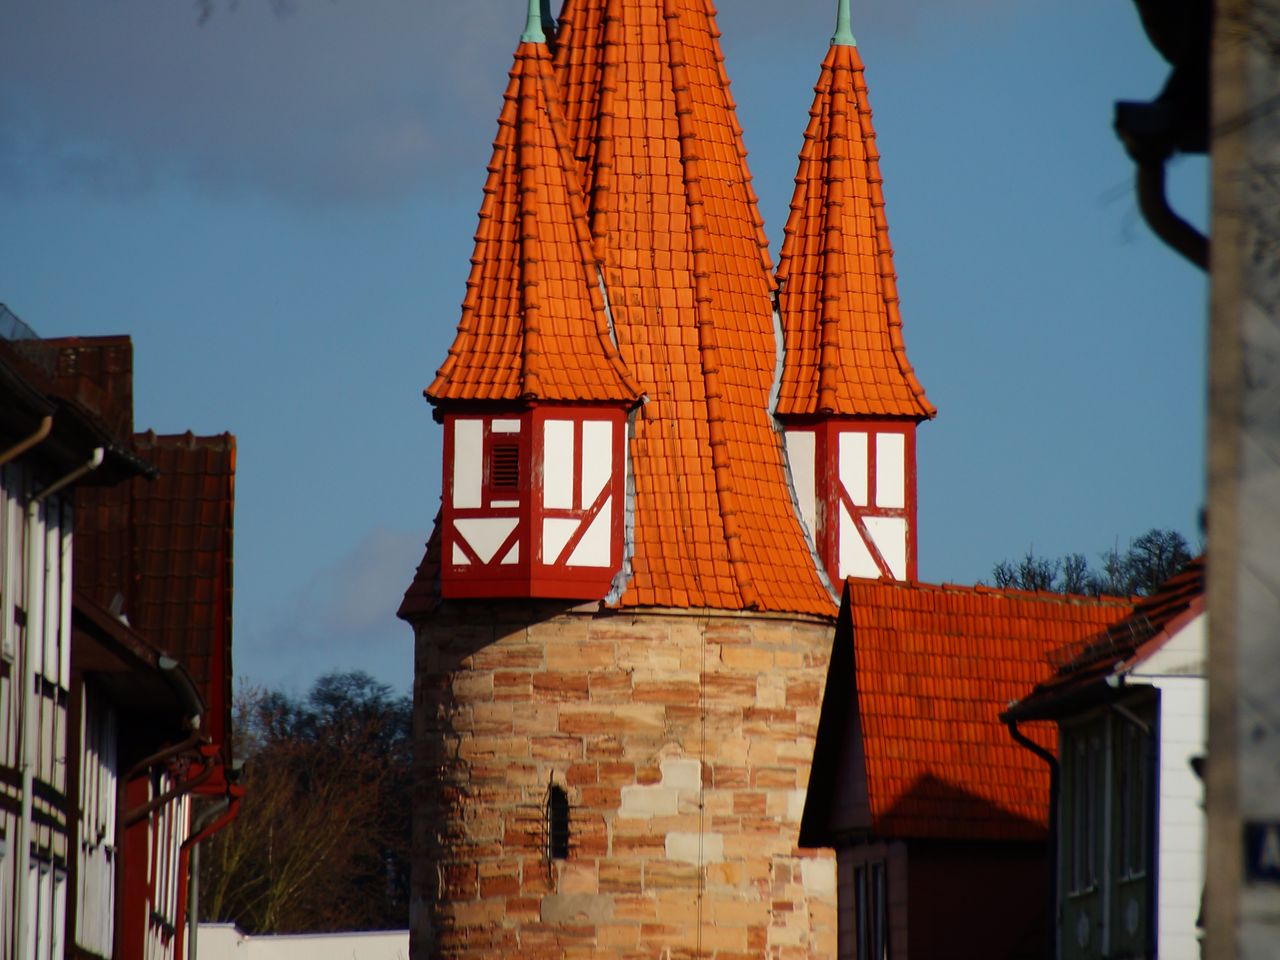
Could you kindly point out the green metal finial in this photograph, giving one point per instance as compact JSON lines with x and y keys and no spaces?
{"x":844,"y":29}
{"x":533,"y":26}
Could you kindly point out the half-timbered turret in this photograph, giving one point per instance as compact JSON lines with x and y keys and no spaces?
{"x":533,"y":394}
{"x":849,"y":399}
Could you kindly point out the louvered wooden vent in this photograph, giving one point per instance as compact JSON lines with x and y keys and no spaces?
{"x":504,"y":466}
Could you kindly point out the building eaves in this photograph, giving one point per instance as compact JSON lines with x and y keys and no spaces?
{"x":1082,"y":670}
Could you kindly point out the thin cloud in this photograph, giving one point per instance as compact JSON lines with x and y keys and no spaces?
{"x":340,"y":102}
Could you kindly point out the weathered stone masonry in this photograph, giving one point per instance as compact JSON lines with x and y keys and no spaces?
{"x":683,"y":742}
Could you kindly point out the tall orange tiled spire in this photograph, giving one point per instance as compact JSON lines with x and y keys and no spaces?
{"x":533,"y":323}
{"x":674,"y":220}
{"x":848,"y":397}
{"x":839,"y":298}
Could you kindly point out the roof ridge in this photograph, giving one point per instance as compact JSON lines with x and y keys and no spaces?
{"x":578,"y":216}
{"x":527,"y":192}
{"x":888,"y":276}
{"x":707,"y":347}
{"x":833,"y":250}
{"x":602,"y":182}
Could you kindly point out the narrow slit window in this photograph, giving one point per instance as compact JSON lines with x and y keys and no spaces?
{"x":557,"y":823}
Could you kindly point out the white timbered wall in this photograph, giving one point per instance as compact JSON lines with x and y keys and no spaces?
{"x":168,"y":828}
{"x":484,"y":535}
{"x":881,"y":488}
{"x":95,"y":868}
{"x":863,"y":484}
{"x":577,"y":466}
{"x":41,"y":545}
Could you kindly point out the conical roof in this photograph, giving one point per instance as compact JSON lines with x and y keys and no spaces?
{"x":839,"y":299}
{"x":534,"y":325}
{"x":674,"y":220}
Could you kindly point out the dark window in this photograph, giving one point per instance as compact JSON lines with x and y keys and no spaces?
{"x":504,"y":466}
{"x":869,"y":911}
{"x":557,"y":823}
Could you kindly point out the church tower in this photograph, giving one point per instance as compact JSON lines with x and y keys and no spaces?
{"x":849,"y":398}
{"x":621,"y":623}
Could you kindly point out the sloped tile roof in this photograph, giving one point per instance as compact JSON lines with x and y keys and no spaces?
{"x":533,"y":322}
{"x":839,"y":300}
{"x":1090,"y":660}
{"x":165,"y":546}
{"x":924,"y":672}
{"x":675,"y":222}
{"x":423,"y":594}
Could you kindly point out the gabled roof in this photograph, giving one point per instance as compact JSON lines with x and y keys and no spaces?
{"x":1082,"y":668}
{"x":839,"y":298}
{"x":165,"y":546}
{"x":70,"y":379}
{"x":675,"y":223}
{"x":533,"y":322}
{"x":910,"y":741}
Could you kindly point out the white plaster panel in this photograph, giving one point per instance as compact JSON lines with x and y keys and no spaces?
{"x":853,"y":466}
{"x":468,"y":462}
{"x":1181,"y":814}
{"x":855,"y":559}
{"x":890,"y":537}
{"x":645,"y":802}
{"x":593,"y":549}
{"x":597,"y":458}
{"x":800,"y":446}
{"x":891,"y":470}
{"x":1184,"y":653}
{"x":681,"y":774}
{"x":818,"y":877}
{"x":484,"y":534}
{"x":557,"y":466}
{"x":505,"y":426}
{"x":513,"y":555}
{"x":695,"y":848}
{"x":556,"y":532}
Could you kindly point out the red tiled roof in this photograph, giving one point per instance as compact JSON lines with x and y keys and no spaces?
{"x":533,"y":321}
{"x":423,"y":594}
{"x":924,"y":671}
{"x":165,"y":546}
{"x":1150,"y":625}
{"x":675,"y":224}
{"x":839,"y":298}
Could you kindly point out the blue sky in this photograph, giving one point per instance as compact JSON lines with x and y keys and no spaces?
{"x":278,"y":204}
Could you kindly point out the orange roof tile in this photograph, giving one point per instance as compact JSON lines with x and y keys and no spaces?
{"x":533,"y":322}
{"x":923,"y":672}
{"x":676,"y":225}
{"x":1118,"y":646}
{"x":839,"y":300}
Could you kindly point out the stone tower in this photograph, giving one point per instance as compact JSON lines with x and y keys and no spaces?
{"x":622,"y":622}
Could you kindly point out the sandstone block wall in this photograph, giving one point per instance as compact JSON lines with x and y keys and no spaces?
{"x":683,"y":743}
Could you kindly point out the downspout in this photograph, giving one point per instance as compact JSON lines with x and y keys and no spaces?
{"x":22,"y":446}
{"x":193,"y":893}
{"x":34,"y":633}
{"x":228,"y":813}
{"x":1054,"y":777}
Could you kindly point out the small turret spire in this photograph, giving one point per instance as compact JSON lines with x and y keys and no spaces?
{"x":533,"y":26}
{"x":844,"y":28}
